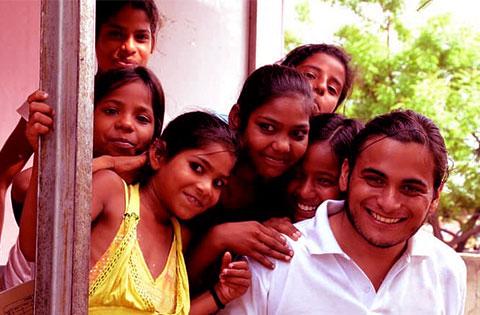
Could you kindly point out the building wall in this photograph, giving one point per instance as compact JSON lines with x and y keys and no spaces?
{"x":19,"y":73}
{"x":201,"y":58}
{"x":203,"y":50}
{"x":472,"y":261}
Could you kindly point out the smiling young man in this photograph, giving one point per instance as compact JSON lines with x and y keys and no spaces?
{"x":367,"y":255}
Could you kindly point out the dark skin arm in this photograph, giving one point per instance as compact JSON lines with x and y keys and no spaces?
{"x":249,"y":238}
{"x":13,"y":156}
{"x":234,"y":280}
{"x":40,"y":123}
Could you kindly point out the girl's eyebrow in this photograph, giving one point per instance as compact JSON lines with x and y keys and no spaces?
{"x":207,"y":163}
{"x":272,"y":120}
{"x":120,"y":103}
{"x":329,"y":174}
{"x":114,"y":25}
{"x":120,"y":27}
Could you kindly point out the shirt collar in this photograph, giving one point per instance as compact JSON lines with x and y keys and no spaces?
{"x":319,"y":238}
{"x":317,"y":233}
{"x":419,"y":244}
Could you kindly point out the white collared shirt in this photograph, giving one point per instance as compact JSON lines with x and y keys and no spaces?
{"x":429,"y":278}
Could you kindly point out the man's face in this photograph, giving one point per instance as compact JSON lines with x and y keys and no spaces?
{"x":390,"y":191}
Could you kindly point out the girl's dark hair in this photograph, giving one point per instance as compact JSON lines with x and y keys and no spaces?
{"x":270,"y":82}
{"x":337,"y":130}
{"x":197,"y":129}
{"x":406,"y":126}
{"x":105,"y":9}
{"x":301,"y":53}
{"x":109,"y":81}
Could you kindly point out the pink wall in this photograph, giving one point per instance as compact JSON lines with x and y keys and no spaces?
{"x":19,"y":68}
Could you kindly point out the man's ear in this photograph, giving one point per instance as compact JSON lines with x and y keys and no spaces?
{"x":234,"y":118}
{"x":436,"y":200}
{"x":156,"y":153}
{"x":343,"y":180}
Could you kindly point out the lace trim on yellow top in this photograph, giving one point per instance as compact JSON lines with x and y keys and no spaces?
{"x":121,"y":282}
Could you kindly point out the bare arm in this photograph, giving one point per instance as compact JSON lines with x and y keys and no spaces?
{"x":39,"y":124}
{"x":14,"y":155}
{"x":28,"y":222}
{"x":234,"y":280}
{"x":248,"y":238}
{"x":17,"y":149}
{"x":126,"y":167}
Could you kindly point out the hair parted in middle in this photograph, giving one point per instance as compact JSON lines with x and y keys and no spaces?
{"x":109,"y":81}
{"x":299,"y":54}
{"x":270,"y":82}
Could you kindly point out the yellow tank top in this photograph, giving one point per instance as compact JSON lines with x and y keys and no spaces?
{"x":121,"y":283}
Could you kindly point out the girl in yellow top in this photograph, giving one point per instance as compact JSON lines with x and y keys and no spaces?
{"x":136,"y":256}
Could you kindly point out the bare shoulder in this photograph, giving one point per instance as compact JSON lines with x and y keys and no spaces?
{"x":107,"y":182}
{"x":108,"y":192}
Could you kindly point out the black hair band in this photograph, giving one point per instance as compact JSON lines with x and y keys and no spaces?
{"x":219,"y":303}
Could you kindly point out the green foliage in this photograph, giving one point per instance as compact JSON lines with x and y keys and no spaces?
{"x":302,"y":14}
{"x":434,"y":70}
{"x":303,"y":11}
{"x":290,"y":40}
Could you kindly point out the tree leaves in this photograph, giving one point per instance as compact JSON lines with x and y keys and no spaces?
{"x":434,"y":70}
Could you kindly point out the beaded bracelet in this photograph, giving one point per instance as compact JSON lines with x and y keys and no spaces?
{"x":219,"y":303}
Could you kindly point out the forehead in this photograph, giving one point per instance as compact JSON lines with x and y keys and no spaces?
{"x":286,"y":110}
{"x":134,"y":91}
{"x":129,"y":18}
{"x":320,"y":157}
{"x":397,"y":160}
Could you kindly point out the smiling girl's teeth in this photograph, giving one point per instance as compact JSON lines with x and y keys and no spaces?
{"x":384,"y":219}
{"x":305,"y":207}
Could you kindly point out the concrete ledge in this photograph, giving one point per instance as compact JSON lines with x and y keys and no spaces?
{"x":472,"y":261}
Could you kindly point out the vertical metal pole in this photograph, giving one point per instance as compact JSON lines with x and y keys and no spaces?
{"x":252,"y":36}
{"x":63,"y":220}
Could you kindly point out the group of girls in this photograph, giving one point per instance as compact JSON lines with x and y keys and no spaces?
{"x":148,"y":184}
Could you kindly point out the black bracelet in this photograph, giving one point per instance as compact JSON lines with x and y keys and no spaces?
{"x":219,"y":303}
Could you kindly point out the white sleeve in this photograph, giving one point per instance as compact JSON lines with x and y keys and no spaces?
{"x":254,"y":301}
{"x":461,"y":283}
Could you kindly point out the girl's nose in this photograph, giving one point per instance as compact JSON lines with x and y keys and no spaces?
{"x":205,"y":188}
{"x":305,"y":189}
{"x":320,"y":86}
{"x":281,"y":144}
{"x":129,"y":45}
{"x":124,"y":122}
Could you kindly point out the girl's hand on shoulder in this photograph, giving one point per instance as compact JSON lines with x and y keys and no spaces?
{"x":126,"y":167}
{"x":235,"y":278}
{"x":285,"y":226}
{"x":40,"y":121}
{"x":253,"y":239}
